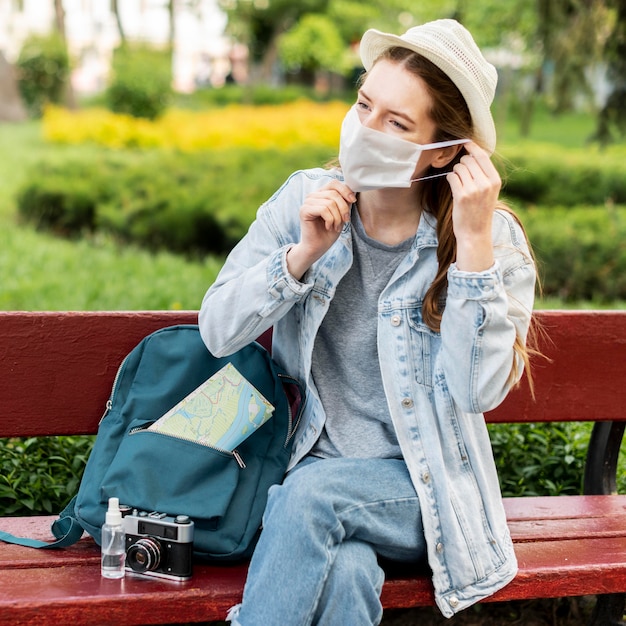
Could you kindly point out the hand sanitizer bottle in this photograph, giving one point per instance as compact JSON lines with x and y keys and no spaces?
{"x":113,"y":542}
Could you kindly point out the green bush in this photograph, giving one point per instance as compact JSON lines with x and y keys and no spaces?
{"x":204,"y":202}
{"x":549,"y":175}
{"x":141,"y":81}
{"x":540,"y":459}
{"x":190,"y":203}
{"x":580,"y":251}
{"x":62,"y":206}
{"x":43,"y":70}
{"x":40,"y":474}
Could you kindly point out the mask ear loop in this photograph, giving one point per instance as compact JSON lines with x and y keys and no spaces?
{"x":415,"y":180}
{"x":442,"y":144}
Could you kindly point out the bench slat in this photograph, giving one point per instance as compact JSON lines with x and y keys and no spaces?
{"x":77,"y":594}
{"x":578,"y":382}
{"x":48,"y":357}
{"x":548,"y":569}
{"x":562,"y":544}
{"x":57,"y":369}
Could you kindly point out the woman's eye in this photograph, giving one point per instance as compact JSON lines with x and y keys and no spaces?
{"x":398,"y":125}
{"x":362,"y":105}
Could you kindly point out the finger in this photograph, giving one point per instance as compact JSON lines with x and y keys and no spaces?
{"x":476,"y":151}
{"x":454,"y":180}
{"x":471,"y":166}
{"x":331,"y":210}
{"x":463,"y":173}
{"x":332,"y":220}
{"x":342,"y":189}
{"x":483,"y":159}
{"x":339,"y":203}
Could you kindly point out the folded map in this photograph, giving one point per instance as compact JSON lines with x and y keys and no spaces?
{"x":222,"y":412}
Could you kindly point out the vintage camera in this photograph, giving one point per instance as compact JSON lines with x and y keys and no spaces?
{"x":159,"y":545}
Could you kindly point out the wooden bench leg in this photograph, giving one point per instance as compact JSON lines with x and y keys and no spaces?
{"x":609,"y":610}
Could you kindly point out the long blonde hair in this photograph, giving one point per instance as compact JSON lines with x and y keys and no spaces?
{"x":452,"y":119}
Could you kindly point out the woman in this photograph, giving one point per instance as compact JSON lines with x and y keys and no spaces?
{"x":400,"y":292}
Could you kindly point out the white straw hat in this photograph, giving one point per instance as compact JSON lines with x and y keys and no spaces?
{"x":450,"y":46}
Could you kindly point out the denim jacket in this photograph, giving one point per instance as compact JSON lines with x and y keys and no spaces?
{"x":437,"y":384}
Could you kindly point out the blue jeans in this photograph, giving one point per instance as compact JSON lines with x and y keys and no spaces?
{"x":323,"y":529}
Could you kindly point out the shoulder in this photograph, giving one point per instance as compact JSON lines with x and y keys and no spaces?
{"x":511,"y":246}
{"x":507,"y":229}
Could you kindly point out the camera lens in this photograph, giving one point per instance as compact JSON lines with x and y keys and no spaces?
{"x":144,"y":555}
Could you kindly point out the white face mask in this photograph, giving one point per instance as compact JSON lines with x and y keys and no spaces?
{"x":371,"y":159}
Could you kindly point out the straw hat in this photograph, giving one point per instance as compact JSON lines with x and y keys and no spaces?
{"x":450,"y":46}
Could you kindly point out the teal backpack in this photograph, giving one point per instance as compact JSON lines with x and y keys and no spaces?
{"x":223,"y":493}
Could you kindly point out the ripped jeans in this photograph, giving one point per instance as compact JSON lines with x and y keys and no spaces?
{"x":323,"y":529}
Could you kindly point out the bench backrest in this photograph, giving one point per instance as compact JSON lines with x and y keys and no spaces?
{"x":57,"y":369}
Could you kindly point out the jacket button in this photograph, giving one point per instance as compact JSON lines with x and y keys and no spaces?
{"x":407,"y":403}
{"x":426,"y":477}
{"x":439,"y":547}
{"x":396,"y":320}
{"x":453,"y":601}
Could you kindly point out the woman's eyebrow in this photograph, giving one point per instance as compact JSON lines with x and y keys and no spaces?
{"x":364,"y":95}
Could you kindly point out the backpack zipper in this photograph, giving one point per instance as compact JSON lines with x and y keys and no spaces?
{"x":109,"y":402}
{"x":292,"y":427}
{"x":233,"y":453}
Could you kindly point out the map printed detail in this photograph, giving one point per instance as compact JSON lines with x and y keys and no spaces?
{"x":221,"y":412}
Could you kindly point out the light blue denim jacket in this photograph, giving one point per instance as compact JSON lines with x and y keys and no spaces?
{"x":437,"y":384}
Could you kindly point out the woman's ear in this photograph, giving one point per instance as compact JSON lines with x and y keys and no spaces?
{"x":444,"y":156}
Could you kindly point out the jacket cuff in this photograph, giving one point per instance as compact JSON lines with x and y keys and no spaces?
{"x":475,"y":285}
{"x":281,"y":284}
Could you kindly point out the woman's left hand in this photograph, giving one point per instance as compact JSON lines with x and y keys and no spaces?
{"x":475,"y":185}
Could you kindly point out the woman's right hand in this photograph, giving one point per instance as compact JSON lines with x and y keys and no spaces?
{"x":322,"y":217}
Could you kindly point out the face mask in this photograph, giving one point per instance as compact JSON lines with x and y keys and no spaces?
{"x":371,"y":159}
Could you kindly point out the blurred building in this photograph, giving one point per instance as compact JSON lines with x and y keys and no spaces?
{"x":201,"y":51}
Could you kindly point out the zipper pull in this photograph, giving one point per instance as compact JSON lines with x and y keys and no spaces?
{"x":107,"y":410}
{"x":239,"y":460}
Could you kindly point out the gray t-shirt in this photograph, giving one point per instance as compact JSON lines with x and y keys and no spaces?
{"x":345,"y":364}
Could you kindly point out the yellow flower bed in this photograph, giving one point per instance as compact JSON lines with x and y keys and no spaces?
{"x":284,"y":126}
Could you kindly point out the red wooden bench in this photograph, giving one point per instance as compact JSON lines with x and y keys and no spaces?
{"x":56,"y":371}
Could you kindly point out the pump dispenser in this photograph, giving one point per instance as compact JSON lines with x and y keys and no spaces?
{"x":113,"y":542}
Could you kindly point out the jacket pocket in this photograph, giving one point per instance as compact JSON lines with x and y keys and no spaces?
{"x":422,"y":342}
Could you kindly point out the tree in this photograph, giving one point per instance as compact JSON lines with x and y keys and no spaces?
{"x":118,"y":19}
{"x":612,"y":116}
{"x":11,"y":106}
{"x":43,"y":71}
{"x":553,"y":43}
{"x":576,"y":46}
{"x":261,"y":23}
{"x":59,"y":22}
{"x":314,"y":44}
{"x":560,"y":40}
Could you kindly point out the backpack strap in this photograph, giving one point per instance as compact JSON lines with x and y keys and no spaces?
{"x":66,"y":529}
